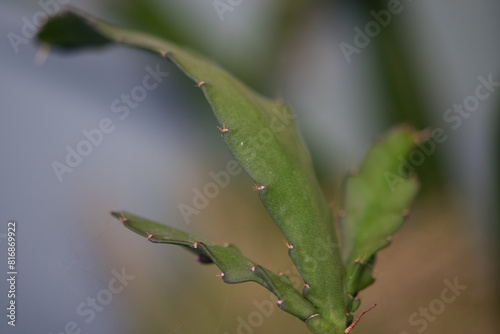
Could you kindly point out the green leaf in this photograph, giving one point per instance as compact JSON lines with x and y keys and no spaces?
{"x":235,"y":267}
{"x":262,"y":135}
{"x":376,"y":203}
{"x":70,"y":32}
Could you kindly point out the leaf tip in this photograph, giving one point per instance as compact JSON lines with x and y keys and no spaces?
{"x":71,"y":30}
{"x":119,"y":216}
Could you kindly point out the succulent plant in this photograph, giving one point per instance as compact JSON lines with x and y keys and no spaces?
{"x":262,"y":135}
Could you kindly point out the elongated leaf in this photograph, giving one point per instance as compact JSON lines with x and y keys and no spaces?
{"x":235,"y":267}
{"x":375,"y":206}
{"x":263,"y":137}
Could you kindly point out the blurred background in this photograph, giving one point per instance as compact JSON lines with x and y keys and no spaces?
{"x":346,"y":90}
